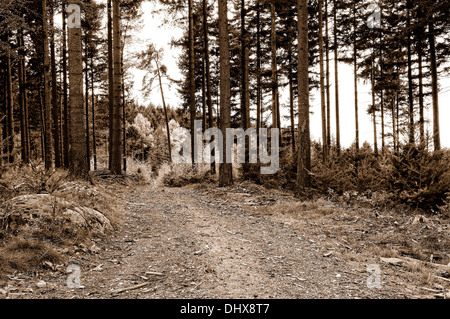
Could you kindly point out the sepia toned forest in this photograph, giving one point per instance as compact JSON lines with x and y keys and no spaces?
{"x":68,"y":113}
{"x":399,"y":48}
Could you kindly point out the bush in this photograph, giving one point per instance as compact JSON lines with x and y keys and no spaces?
{"x":180,"y":175}
{"x":419,"y":178}
{"x":141,"y":170}
{"x":413,"y":177}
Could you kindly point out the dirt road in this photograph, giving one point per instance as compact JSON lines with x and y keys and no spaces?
{"x":189,"y":243}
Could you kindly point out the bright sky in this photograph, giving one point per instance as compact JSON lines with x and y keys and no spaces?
{"x":153,"y":31}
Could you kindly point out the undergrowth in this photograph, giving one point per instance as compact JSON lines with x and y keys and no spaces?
{"x":39,"y":238}
{"x":413,"y":178}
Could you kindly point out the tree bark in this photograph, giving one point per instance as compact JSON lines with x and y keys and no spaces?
{"x":165,"y":108}
{"x":55,"y":102}
{"x":94,"y":140}
{"x":47,"y":91}
{"x":383,"y":143}
{"x":124,"y":132}
{"x":110,"y":78}
{"x":322,"y":86}
{"x":327,"y":76}
{"x":421,"y":99}
{"x":9,"y":105}
{"x":42,"y":118}
{"x":273,"y":45}
{"x":258,"y":71}
{"x":208,"y":74}
{"x":244,"y":72}
{"x":394,"y":136}
{"x":374,"y":117}
{"x":336,"y":81}
{"x":291,"y":96}
{"x":225,"y":169}
{"x":397,"y":122}
{"x":410,"y":80}
{"x":355,"y":68}
{"x":66,"y":112}
{"x":434,"y":89}
{"x":192,"y":103}
{"x":304,"y":142}
{"x":86,"y":102}
{"x":24,"y":134}
{"x":420,"y":54}
{"x":116,"y":134}
{"x":204,"y":107}
{"x":77,"y":135}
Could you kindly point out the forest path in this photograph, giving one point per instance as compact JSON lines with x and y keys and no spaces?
{"x":199,"y":242}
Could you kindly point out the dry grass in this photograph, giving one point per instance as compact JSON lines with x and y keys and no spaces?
{"x":97,"y":197}
{"x":17,"y":253}
{"x":142,"y":171}
{"x":178,"y":175}
{"x":25,"y":254}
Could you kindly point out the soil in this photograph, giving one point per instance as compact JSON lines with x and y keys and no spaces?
{"x":203,"y":242}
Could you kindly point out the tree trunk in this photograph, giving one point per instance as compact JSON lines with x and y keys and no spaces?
{"x":124,"y":132}
{"x":47,"y":91}
{"x":304,"y":142}
{"x":383,"y":143}
{"x":24,"y":134}
{"x":327,"y":76}
{"x":77,"y":134}
{"x":291,"y":96}
{"x":9,"y":105}
{"x":204,"y":107}
{"x":394,"y":137}
{"x":434,"y":89}
{"x":397,"y":122}
{"x":336,"y":81}
{"x":374,"y":117}
{"x":322,"y":86}
{"x":410,"y":80}
{"x":3,"y":133}
{"x":244,"y":72}
{"x":94,"y":140}
{"x":258,"y":80}
{"x":421,"y":100}
{"x":208,"y":75}
{"x":165,"y":109}
{"x":245,"y":92}
{"x":225,"y":169}
{"x":420,"y":53}
{"x":258,"y":71}
{"x":65,"y":90}
{"x":86,"y":102}
{"x":116,"y":134}
{"x":273,"y":45}
{"x":355,"y":68}
{"x":55,"y":102}
{"x":42,"y":118}
{"x":110,"y":79}
{"x":192,"y":107}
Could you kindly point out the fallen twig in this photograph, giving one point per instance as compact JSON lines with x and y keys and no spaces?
{"x":130,"y":288}
{"x":434,"y":265}
{"x":442,"y":278}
